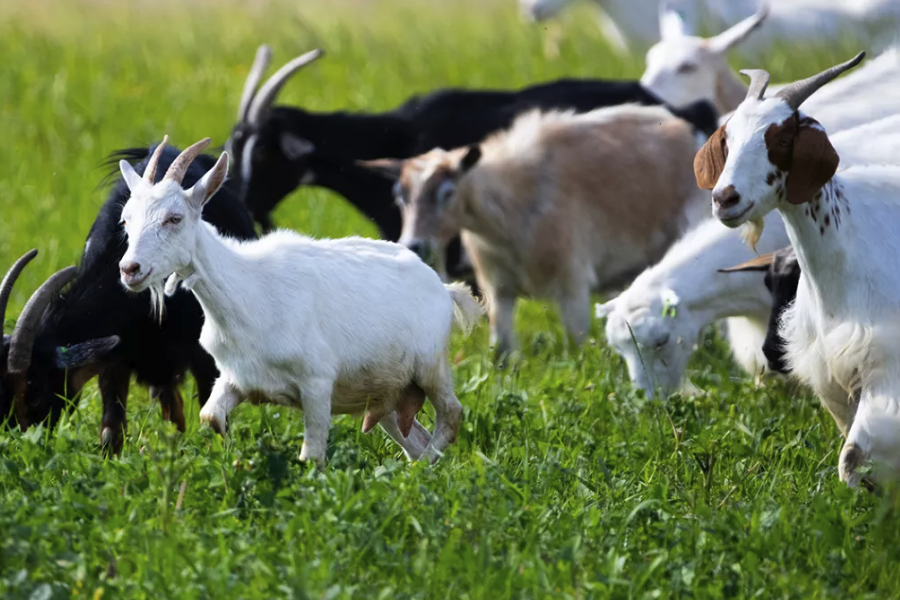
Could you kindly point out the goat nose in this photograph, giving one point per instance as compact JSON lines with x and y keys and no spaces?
{"x":727,"y":197}
{"x":129,"y":268}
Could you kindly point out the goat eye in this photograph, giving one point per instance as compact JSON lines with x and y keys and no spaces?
{"x":173,"y":220}
{"x":445,"y":192}
{"x":686,"y":68}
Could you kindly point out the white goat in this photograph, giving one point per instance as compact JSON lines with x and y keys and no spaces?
{"x":843,"y":327}
{"x":688,"y":279}
{"x":683,"y":68}
{"x":655,"y":324}
{"x":331,"y":326}
{"x":632,"y":24}
{"x":555,"y":207}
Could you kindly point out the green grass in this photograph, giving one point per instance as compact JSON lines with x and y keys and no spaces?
{"x":564,"y":482}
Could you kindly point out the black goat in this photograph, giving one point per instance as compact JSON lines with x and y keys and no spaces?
{"x":67,"y":334}
{"x":276,"y":149}
{"x":782,"y":277}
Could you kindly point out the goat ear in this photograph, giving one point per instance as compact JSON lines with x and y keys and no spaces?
{"x":204,"y":189}
{"x":132,"y":179}
{"x":470,"y":158}
{"x":601,"y":311}
{"x":760,"y":263}
{"x":710,"y":160}
{"x":737,"y":32}
{"x":295,"y":147}
{"x":389,"y":168}
{"x":85,"y":353}
{"x":671,"y":23}
{"x":813,"y":164}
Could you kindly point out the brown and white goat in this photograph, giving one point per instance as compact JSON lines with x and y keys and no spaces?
{"x":555,"y":207}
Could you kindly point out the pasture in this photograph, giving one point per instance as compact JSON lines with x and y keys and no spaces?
{"x":564,"y":482}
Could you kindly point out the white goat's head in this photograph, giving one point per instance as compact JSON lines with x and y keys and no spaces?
{"x":161,"y":220}
{"x":768,"y":153}
{"x":655,"y":339}
{"x":539,"y":10}
{"x":426,"y":191}
{"x":682,"y":68}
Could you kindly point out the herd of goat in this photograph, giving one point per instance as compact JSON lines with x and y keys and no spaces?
{"x":555,"y":191}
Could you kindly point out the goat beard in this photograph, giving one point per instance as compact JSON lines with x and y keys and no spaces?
{"x":752,"y":231}
{"x":158,"y":301}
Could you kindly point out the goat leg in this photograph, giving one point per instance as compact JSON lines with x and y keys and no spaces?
{"x":172,"y":405}
{"x":113,"y":382}
{"x":203,"y":367}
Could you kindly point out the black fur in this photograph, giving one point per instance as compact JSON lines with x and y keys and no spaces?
{"x":781,"y":280}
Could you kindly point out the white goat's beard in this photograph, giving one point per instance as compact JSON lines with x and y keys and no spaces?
{"x":158,"y":301}
{"x":752,"y":231}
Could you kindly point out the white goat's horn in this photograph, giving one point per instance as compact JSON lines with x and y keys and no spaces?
{"x":150,"y":171}
{"x":9,"y":281}
{"x":270,"y":88}
{"x":759,"y":81}
{"x":796,"y":93}
{"x":260,"y":64}
{"x":180,"y":165}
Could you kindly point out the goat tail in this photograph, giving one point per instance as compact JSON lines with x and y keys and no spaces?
{"x":466,"y":308}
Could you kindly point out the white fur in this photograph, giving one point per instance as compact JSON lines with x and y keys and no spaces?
{"x":663,"y":341}
{"x":329,"y":326}
{"x":843,"y":329}
{"x":633,"y":25}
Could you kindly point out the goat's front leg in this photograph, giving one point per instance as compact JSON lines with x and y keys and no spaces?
{"x":223,"y":399}
{"x":874,"y":434}
{"x":503,"y":338}
{"x":172,"y":404}
{"x":315,"y":396}
{"x":113,"y":382}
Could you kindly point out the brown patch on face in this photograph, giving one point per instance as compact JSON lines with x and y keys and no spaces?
{"x":779,"y":143}
{"x":799,"y":148}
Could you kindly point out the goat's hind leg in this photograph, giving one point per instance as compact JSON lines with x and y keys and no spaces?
{"x":874,"y":434}
{"x":414,"y":444}
{"x":172,"y":404}
{"x":447,"y":409}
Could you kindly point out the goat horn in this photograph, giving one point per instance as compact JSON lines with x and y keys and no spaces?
{"x":150,"y":170}
{"x":796,"y":93}
{"x":759,"y":81}
{"x":260,"y":64}
{"x":270,"y":88}
{"x":180,"y":165}
{"x":760,"y":263}
{"x":26,"y":328}
{"x":9,"y":281}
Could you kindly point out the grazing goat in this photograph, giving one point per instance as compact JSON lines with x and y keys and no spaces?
{"x":631,"y":24}
{"x":332,"y":326}
{"x":556,"y":207}
{"x":277,"y":148}
{"x":654,"y":325}
{"x":782,"y":274}
{"x":841,"y":331}
{"x":682,"y":69}
{"x":80,"y":324}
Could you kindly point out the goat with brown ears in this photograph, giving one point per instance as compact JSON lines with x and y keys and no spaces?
{"x":841,"y":332}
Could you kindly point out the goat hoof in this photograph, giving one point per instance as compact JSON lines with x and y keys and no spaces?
{"x":220,"y":426}
{"x":110,"y":443}
{"x":852,"y":457}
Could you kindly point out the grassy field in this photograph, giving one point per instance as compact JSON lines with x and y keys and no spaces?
{"x":564,"y":481}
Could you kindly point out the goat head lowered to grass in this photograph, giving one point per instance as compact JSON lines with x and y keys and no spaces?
{"x":330,"y":326}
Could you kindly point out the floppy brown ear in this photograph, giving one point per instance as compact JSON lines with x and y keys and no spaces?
{"x":814,"y":162}
{"x":710,"y":160}
{"x":390,"y":168}
{"x":760,"y":263}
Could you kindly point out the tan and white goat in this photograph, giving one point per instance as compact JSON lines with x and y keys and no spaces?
{"x":555,"y":207}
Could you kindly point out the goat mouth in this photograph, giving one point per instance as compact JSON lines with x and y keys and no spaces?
{"x":136,"y":283}
{"x":735,"y":220}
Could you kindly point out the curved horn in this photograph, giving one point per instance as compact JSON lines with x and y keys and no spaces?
{"x":26,"y":329}
{"x":796,"y":93}
{"x":180,"y":165}
{"x":260,"y":64}
{"x":737,"y":32}
{"x":760,"y":263}
{"x":150,"y":171}
{"x":9,"y":281}
{"x":759,"y":81}
{"x":270,"y":88}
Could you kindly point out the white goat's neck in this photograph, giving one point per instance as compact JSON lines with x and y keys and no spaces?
{"x":830,"y":248}
{"x":730,"y":92}
{"x":218,"y":277}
